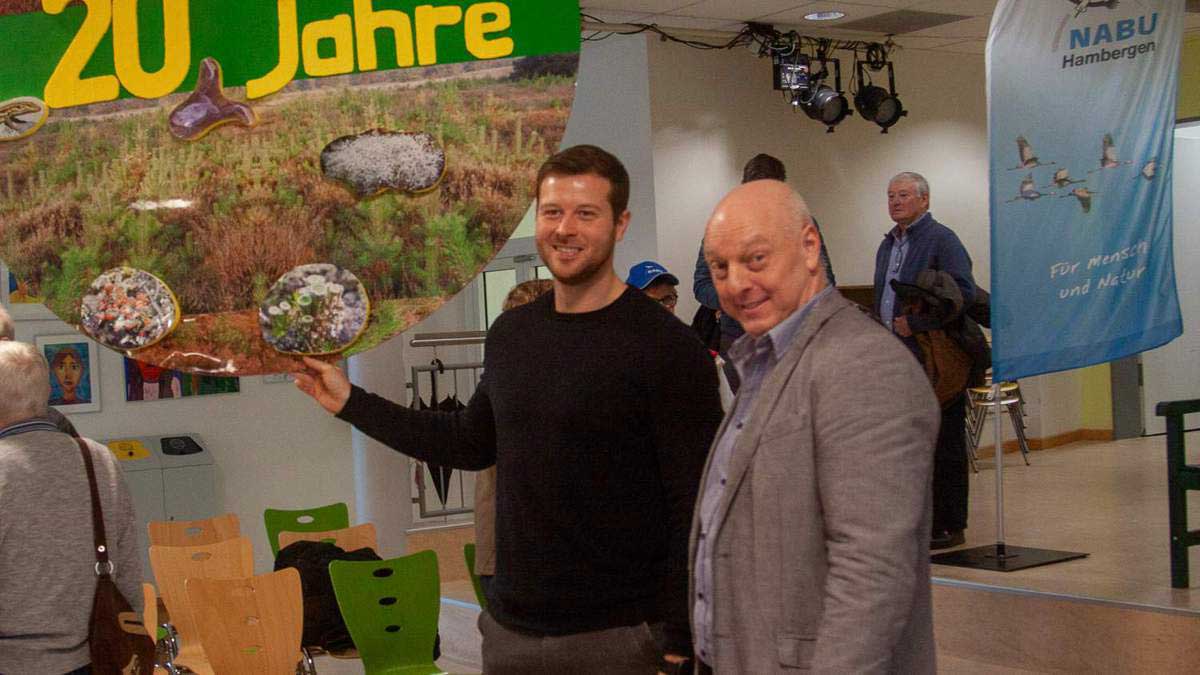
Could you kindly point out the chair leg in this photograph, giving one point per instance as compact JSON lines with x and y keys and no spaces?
{"x":977,"y":426}
{"x":1019,"y":427}
{"x":306,"y":666}
{"x":968,"y":444}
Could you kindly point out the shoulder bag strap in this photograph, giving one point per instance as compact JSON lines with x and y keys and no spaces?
{"x":104,"y":567}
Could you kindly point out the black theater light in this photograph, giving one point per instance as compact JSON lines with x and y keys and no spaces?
{"x":877,"y":104}
{"x":826,"y":104}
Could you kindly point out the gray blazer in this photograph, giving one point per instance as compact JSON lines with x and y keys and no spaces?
{"x":821,"y":541}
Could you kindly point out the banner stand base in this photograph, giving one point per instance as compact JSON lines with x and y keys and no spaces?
{"x":1003,"y":558}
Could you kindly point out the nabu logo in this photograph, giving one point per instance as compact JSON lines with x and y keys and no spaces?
{"x":1113,"y":32}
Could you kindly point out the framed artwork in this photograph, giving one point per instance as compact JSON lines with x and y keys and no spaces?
{"x":14,"y":295}
{"x":74,"y":372}
{"x":148,"y":382}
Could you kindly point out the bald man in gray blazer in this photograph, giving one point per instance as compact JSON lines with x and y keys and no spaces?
{"x":810,"y":542}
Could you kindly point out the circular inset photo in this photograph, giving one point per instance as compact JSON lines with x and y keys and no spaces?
{"x":21,"y":117}
{"x":126,"y":309}
{"x":379,"y":160}
{"x":314,"y":309}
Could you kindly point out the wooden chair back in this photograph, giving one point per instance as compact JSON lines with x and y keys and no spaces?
{"x":193,"y":532}
{"x":150,"y":611}
{"x":348,"y":538}
{"x":174,"y":565}
{"x":250,"y":626}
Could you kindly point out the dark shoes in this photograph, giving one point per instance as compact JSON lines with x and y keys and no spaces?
{"x":946,"y":539}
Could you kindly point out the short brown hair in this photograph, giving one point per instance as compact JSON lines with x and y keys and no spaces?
{"x":526,"y":292}
{"x":579,"y":160}
{"x":763,"y":167}
{"x":63,"y":354}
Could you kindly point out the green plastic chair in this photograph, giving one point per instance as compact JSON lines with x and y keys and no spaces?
{"x":391,"y":609}
{"x":319,"y":519}
{"x":469,"y":554}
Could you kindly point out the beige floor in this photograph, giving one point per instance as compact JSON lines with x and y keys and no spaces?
{"x":1106,"y":499}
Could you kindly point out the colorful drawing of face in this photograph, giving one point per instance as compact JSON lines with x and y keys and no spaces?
{"x":67,"y":369}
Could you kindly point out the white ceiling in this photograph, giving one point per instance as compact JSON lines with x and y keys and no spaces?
{"x":966,"y":36}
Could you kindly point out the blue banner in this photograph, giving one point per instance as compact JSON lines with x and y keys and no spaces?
{"x":1081,"y":114}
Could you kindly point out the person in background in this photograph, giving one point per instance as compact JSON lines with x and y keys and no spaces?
{"x":8,"y":331}
{"x":809,"y":548}
{"x":656,"y":282}
{"x":485,"y":480}
{"x":918,"y":242}
{"x":47,"y":576}
{"x":596,"y":408}
{"x":760,"y":167}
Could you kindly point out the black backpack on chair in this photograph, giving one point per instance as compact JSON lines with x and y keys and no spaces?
{"x":323,"y":623}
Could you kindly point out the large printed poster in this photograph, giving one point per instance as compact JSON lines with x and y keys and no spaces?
{"x":1081,"y":105}
{"x":220,"y":186}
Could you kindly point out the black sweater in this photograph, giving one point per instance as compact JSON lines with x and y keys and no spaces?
{"x":599,"y":425}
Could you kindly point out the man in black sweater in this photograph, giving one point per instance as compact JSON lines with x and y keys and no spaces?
{"x":597,"y":407}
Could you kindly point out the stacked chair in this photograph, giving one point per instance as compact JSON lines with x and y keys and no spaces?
{"x":391,"y":608}
{"x":347,"y":538}
{"x":224,"y":619}
{"x":251,"y":626}
{"x":193,"y":532}
{"x":317,"y":520}
{"x":174,"y":566}
{"x":185,"y":554}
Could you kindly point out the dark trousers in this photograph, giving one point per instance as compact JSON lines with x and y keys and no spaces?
{"x":951,"y":470}
{"x":630,"y":650}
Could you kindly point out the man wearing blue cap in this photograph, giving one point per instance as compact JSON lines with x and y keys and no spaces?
{"x":656,"y":282}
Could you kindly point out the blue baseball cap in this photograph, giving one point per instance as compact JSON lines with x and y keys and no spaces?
{"x":644,"y":273}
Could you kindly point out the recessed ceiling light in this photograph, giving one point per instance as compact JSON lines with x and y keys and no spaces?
{"x":824,"y":16}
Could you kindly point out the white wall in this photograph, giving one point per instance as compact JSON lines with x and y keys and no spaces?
{"x":273,"y":447}
{"x":713,"y":110}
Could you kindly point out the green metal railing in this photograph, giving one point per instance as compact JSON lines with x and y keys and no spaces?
{"x":1181,"y":477}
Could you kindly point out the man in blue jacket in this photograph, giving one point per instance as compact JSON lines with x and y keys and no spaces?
{"x":915,"y":243}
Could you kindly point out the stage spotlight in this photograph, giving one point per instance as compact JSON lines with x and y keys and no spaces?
{"x":877,"y":104}
{"x":826,"y":104}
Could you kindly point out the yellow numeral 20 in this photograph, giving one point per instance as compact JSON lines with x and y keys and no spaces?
{"x":67,"y":88}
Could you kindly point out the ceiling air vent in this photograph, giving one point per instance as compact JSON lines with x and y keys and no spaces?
{"x":900,"y":22}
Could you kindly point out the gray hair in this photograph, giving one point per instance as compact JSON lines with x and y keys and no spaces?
{"x":912,"y":177}
{"x":8,"y":330}
{"x":24,"y":382}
